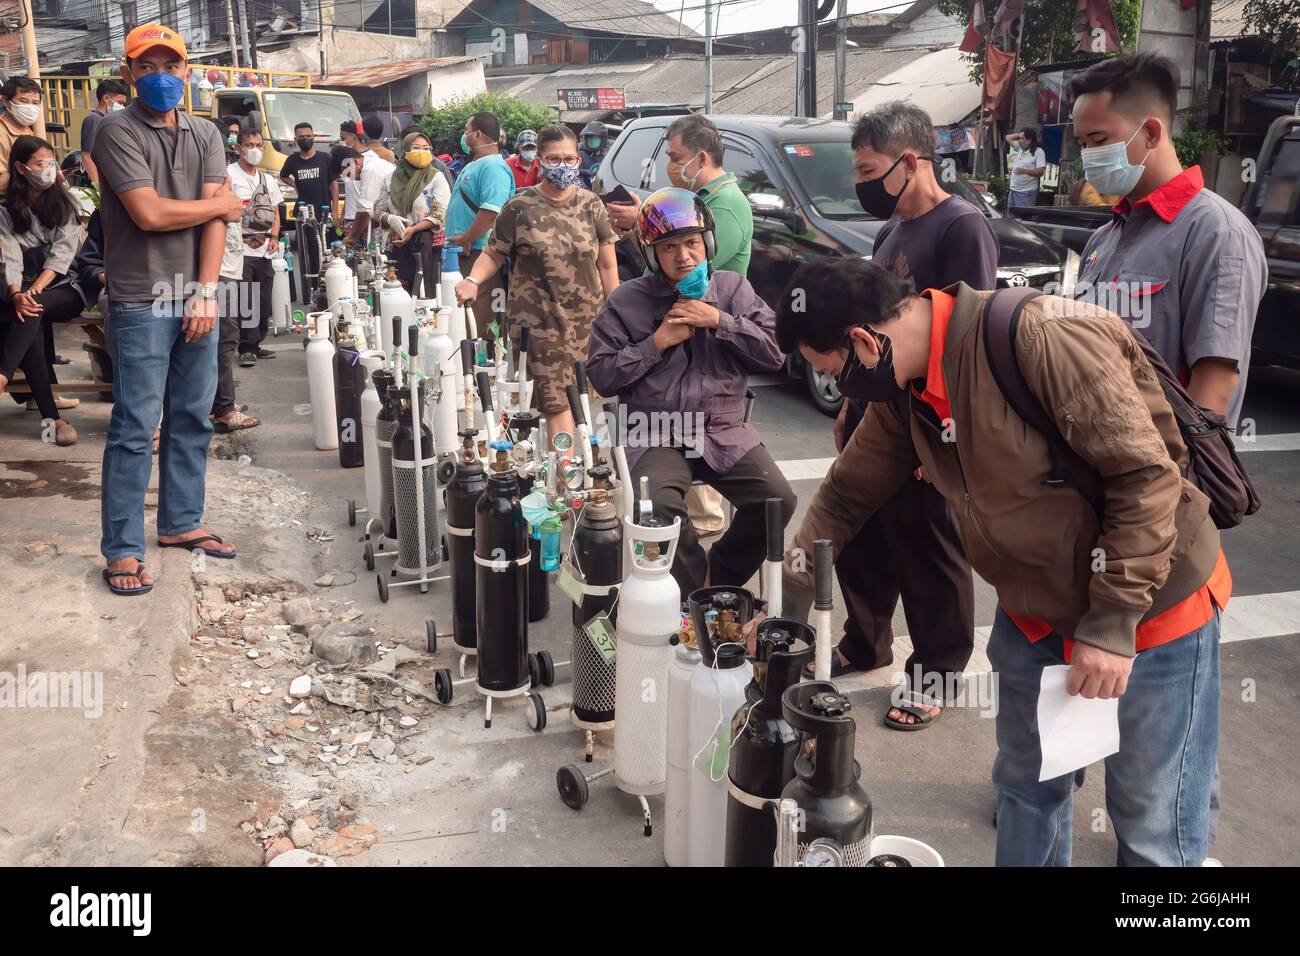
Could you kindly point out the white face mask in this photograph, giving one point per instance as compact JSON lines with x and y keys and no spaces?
{"x":42,"y":177}
{"x":528,"y":155}
{"x":25,"y":113}
{"x":252,"y":155}
{"x":114,"y":107}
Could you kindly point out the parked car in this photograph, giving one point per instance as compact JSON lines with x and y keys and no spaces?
{"x":798,"y":175}
{"x":1270,"y":202}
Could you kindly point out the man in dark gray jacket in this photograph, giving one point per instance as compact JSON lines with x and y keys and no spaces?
{"x":676,"y":347}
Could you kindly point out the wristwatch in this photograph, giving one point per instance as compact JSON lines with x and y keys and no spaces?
{"x":207,"y":290}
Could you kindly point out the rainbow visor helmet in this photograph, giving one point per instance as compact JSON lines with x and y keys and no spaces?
{"x":671,"y":212}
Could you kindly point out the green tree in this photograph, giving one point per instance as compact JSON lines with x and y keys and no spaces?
{"x":1049,"y":33}
{"x":1277,"y":21}
{"x":445,"y":124}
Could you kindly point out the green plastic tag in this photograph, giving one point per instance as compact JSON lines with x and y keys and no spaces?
{"x":721,"y":753}
{"x":570,"y":585}
{"x":495,"y":328}
{"x":597,"y":630}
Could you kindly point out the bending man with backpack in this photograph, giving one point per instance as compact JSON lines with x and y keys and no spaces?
{"x":261,"y":232}
{"x":1126,"y":589}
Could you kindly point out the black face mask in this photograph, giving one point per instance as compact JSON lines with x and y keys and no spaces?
{"x":874,"y":384}
{"x":306,"y":143}
{"x":875,"y":199}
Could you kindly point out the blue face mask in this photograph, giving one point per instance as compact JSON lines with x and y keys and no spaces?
{"x":1108,"y":169}
{"x":695,"y":283}
{"x":160,"y":91}
{"x":561,"y":176}
{"x":464,"y":144}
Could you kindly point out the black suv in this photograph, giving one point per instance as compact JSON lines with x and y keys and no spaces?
{"x":798,"y":175}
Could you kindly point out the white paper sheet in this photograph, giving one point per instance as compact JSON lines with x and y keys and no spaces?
{"x":1073,"y":732}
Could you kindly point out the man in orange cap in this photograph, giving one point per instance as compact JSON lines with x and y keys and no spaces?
{"x":165,"y":202}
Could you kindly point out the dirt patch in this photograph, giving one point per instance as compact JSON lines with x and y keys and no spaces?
{"x":50,"y":479}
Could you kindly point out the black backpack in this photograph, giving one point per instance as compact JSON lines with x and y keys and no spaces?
{"x":1212,"y":462}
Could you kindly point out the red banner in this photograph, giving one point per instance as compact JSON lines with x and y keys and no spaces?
{"x":999,"y":82}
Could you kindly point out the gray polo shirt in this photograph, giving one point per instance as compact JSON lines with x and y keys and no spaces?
{"x":1186,"y":268}
{"x":134,"y":149}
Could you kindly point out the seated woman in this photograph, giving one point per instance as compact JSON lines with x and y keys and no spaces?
{"x":676,"y":347}
{"x":39,"y":236}
{"x":414,"y":210}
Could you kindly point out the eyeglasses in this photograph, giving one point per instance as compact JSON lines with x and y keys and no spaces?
{"x":570,"y":161}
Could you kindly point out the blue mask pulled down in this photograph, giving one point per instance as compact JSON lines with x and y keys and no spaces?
{"x":695,"y":283}
{"x":160,"y":91}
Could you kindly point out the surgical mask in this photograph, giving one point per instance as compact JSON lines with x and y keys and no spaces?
{"x":464,"y":143}
{"x":695,"y":283}
{"x":42,"y":177}
{"x":113,"y":108}
{"x":232,"y":139}
{"x":306,"y":143}
{"x":874,"y":384}
{"x":25,"y":113}
{"x":875,"y":199}
{"x":160,"y":90}
{"x":419,"y":158}
{"x":1108,"y":169}
{"x":561,"y":176}
{"x":593,"y":143}
{"x":528,"y":155}
{"x":252,"y":155}
{"x":676,"y":177}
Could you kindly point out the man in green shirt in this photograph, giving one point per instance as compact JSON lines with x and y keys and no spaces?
{"x":695,"y":162}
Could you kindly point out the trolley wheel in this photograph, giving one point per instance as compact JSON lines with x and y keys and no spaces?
{"x":536,"y":713}
{"x":382,"y":584}
{"x":370,"y":557}
{"x":431,"y":636}
{"x":545,"y":668}
{"x":573,"y":787}
{"x":352,"y":513}
{"x":534,"y":670}
{"x":442,"y":688}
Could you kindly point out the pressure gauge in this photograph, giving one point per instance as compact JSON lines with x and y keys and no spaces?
{"x":823,"y":852}
{"x":562,"y":441}
{"x":573,"y":478}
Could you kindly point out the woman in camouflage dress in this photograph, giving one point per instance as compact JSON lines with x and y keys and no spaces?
{"x":560,"y":245}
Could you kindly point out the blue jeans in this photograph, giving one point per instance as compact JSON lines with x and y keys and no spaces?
{"x":1157,"y":786}
{"x":155,"y":373}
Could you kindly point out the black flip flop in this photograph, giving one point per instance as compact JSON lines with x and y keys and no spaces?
{"x":194,"y":542}
{"x":838,"y":669}
{"x":127,"y":592}
{"x":923,"y":717}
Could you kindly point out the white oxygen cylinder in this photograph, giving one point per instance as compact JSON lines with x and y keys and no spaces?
{"x":649,"y":614}
{"x":439,"y":362}
{"x":280,"y":302}
{"x":370,"y":405}
{"x":677,"y":790}
{"x":394,"y":301}
{"x":320,"y":382}
{"x":717,"y":692}
{"x":451,"y":275}
{"x":338,"y":282}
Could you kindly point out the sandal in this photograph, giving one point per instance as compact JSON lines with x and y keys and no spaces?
{"x":839,"y":667}
{"x":191,"y":543}
{"x":238,"y":422}
{"x":923,"y":718}
{"x":109,"y":576}
{"x":64,"y":433}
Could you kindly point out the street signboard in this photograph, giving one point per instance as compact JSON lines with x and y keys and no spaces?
{"x":591,"y":98}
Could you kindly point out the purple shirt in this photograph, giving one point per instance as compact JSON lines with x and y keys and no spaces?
{"x":699,"y":384}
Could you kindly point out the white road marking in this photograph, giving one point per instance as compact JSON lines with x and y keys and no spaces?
{"x":809,"y":469}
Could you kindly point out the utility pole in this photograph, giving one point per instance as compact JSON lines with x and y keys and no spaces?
{"x":708,"y":56}
{"x":33,"y":59}
{"x":320,"y":35}
{"x":841,"y":56}
{"x":234,"y":37}
{"x":243,"y":27}
{"x":251,"y":12}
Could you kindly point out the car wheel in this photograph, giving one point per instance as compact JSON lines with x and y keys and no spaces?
{"x":822,"y":389}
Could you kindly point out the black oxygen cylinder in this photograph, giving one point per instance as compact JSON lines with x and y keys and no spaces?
{"x":597,"y":553}
{"x":501,"y":581}
{"x":835,"y":805}
{"x":764,"y":745}
{"x":462,"y":495}
{"x":349,"y":383}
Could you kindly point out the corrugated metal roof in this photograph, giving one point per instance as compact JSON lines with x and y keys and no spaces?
{"x":938,"y":82}
{"x":772,"y":91}
{"x":381,"y":74}
{"x":630,"y":17}
{"x":1227,"y":20}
